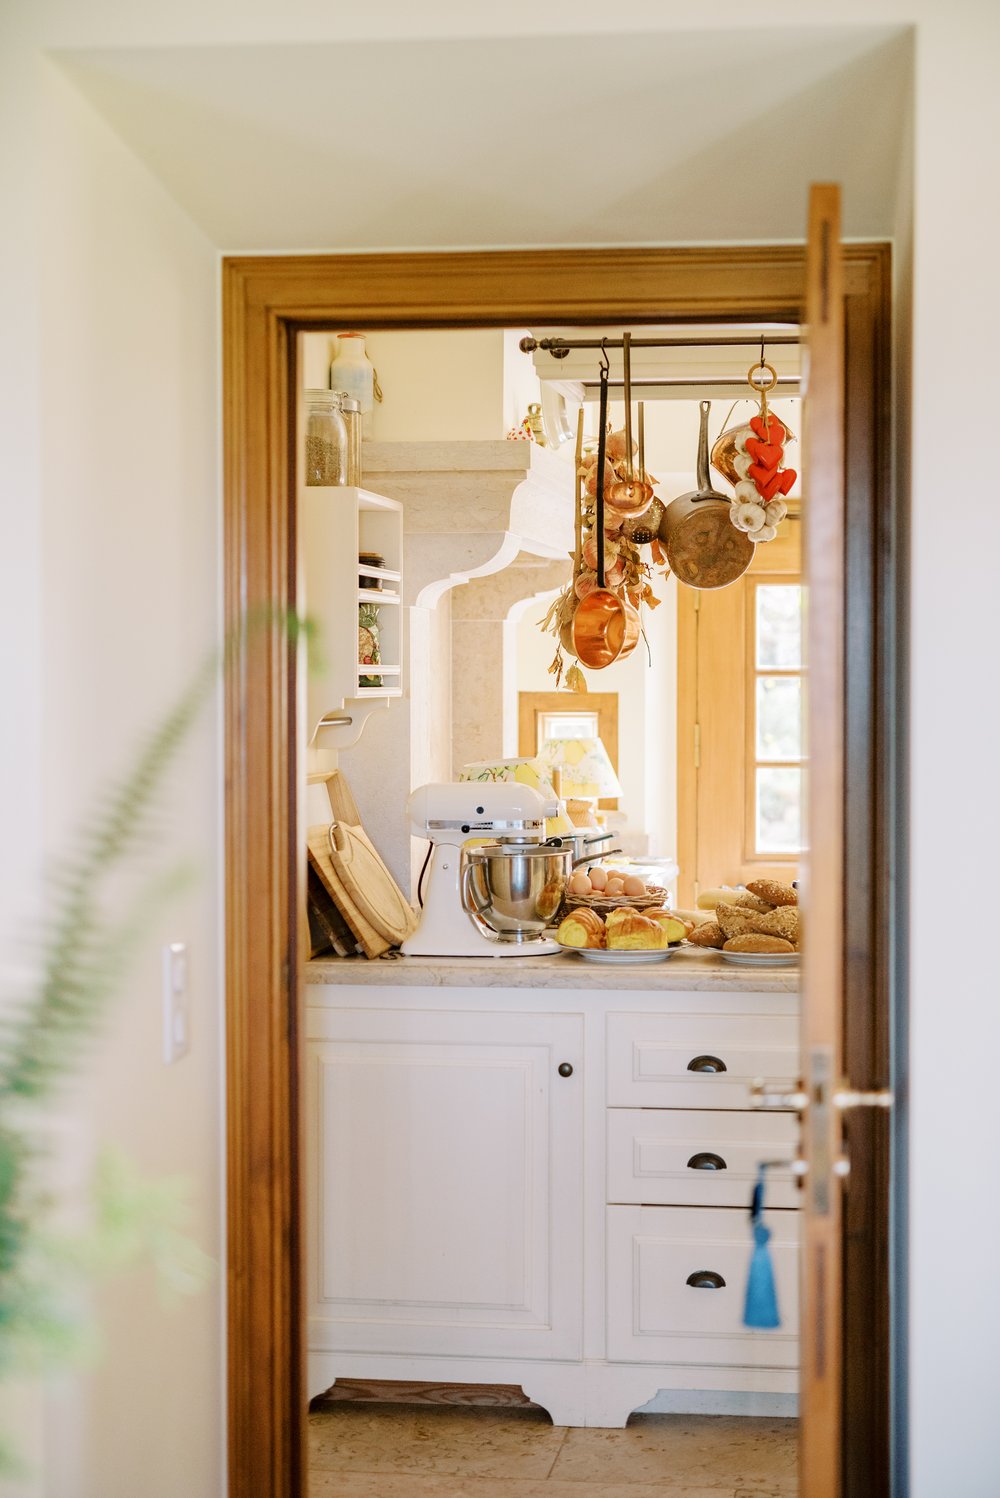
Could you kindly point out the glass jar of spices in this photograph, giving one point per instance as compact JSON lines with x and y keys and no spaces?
{"x":326,"y":439}
{"x":351,"y":411}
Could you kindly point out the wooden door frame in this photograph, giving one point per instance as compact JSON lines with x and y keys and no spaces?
{"x":266,"y":302}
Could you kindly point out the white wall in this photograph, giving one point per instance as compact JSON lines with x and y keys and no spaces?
{"x":126,"y":514}
{"x":952,"y":710}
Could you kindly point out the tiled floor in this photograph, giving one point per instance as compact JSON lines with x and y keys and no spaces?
{"x":405,"y":1451}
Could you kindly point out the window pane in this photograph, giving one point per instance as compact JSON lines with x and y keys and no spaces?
{"x":779,"y":626}
{"x":779,"y":818}
{"x":569,"y":725}
{"x":779,"y":717}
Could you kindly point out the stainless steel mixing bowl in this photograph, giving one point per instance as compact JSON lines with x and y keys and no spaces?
{"x":513,"y":890}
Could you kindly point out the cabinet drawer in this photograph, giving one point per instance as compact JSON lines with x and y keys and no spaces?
{"x":695,"y":1060}
{"x":655,"y":1315}
{"x":674,"y":1157}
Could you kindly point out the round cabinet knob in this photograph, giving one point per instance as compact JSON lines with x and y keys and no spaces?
{"x":706,"y":1063}
{"x":565,"y":1069}
{"x":706,"y":1279}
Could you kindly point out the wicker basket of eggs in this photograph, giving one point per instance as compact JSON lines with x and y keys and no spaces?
{"x":603,"y":890}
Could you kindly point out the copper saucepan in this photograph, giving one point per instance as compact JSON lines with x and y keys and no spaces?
{"x":605,"y":627}
{"x":703,"y":547}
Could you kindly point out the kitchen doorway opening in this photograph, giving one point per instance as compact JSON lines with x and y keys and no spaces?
{"x":268,"y":302}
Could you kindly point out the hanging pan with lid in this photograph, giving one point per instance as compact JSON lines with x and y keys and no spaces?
{"x":605,"y":627}
{"x":703,"y":547}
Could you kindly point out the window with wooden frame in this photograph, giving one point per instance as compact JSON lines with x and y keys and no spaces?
{"x":740,"y":752}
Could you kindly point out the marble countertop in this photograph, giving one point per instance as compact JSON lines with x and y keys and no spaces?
{"x":698,"y":970}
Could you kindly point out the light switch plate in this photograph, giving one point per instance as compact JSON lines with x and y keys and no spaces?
{"x":176,"y":1020}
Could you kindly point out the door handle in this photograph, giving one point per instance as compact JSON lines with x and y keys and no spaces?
{"x":776,"y":1095}
{"x":847,"y":1097}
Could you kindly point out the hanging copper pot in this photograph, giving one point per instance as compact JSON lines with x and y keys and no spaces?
{"x":704,"y":549}
{"x":605,"y":628}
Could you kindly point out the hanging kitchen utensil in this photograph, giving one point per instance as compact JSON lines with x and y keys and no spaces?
{"x":631,"y":494}
{"x":605,"y":627}
{"x":704,"y":549}
{"x":642,"y":529}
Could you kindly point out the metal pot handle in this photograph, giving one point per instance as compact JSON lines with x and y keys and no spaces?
{"x":472,"y":910}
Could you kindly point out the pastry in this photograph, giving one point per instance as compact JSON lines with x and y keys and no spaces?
{"x":708,"y":934}
{"x":676,"y":929}
{"x":581,"y":928}
{"x":773,"y":891}
{"x":756,"y":941}
{"x":636,"y":933}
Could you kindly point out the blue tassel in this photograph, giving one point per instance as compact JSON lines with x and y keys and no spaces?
{"x":760,"y":1308}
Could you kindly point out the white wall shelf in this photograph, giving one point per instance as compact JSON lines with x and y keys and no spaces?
{"x":336,"y":524}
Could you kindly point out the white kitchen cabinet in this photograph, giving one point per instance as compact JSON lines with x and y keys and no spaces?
{"x":475,"y":1217}
{"x":336,"y":524}
{"x":676,"y":1285}
{"x":446,"y":1185}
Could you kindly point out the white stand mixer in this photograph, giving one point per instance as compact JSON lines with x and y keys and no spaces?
{"x":494,"y":901}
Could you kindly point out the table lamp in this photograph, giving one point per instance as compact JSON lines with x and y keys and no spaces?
{"x":585,"y":775}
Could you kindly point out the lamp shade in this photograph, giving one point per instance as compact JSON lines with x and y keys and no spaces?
{"x":524,"y":771}
{"x":587,"y":772}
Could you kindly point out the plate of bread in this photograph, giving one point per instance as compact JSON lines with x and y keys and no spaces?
{"x":759,"y":926}
{"x":624,"y":935}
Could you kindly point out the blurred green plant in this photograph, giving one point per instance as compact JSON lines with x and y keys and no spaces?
{"x":82,"y":957}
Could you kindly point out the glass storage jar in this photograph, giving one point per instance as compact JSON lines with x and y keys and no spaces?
{"x":326,"y":439}
{"x":351,"y":411}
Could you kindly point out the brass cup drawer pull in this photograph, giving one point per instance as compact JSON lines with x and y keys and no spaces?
{"x":706,"y":1279}
{"x":706,"y":1064}
{"x":706,"y":1160}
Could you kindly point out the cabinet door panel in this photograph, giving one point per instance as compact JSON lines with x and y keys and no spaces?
{"x":654,"y":1157}
{"x":695,"y":1060}
{"x":656,"y":1316}
{"x":447,"y":1185}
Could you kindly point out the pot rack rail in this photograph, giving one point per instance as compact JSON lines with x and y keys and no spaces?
{"x":559,"y":348}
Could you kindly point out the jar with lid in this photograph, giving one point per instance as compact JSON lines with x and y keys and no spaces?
{"x":352,"y":371}
{"x":351,"y":411}
{"x":326,"y":439}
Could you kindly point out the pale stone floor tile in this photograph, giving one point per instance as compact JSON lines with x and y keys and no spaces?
{"x":426,"y":1439}
{"x":386,"y":1485}
{"x":407,"y":1451}
{"x":721,"y":1451}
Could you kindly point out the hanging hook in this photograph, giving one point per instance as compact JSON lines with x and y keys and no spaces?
{"x":762,"y":351}
{"x":605,"y":361}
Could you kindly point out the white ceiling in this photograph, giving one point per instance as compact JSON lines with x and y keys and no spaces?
{"x":665,"y":138}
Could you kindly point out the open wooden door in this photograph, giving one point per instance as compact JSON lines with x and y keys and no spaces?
{"x":825,"y":1095}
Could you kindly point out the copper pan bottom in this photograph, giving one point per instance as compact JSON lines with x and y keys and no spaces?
{"x":605,"y":629}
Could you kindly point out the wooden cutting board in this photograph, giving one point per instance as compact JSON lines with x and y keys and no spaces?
{"x":366,"y":894}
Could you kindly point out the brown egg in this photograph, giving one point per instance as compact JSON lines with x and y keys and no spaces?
{"x":599,"y":878}
{"x":615,"y":887}
{"x":634,"y":885}
{"x":579,"y":884}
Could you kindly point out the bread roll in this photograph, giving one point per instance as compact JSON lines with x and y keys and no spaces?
{"x":773,"y":891}
{"x":734,"y":920}
{"x":709,"y":934}
{"x":782,"y":921}
{"x":710,"y":899}
{"x":756,"y":941}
